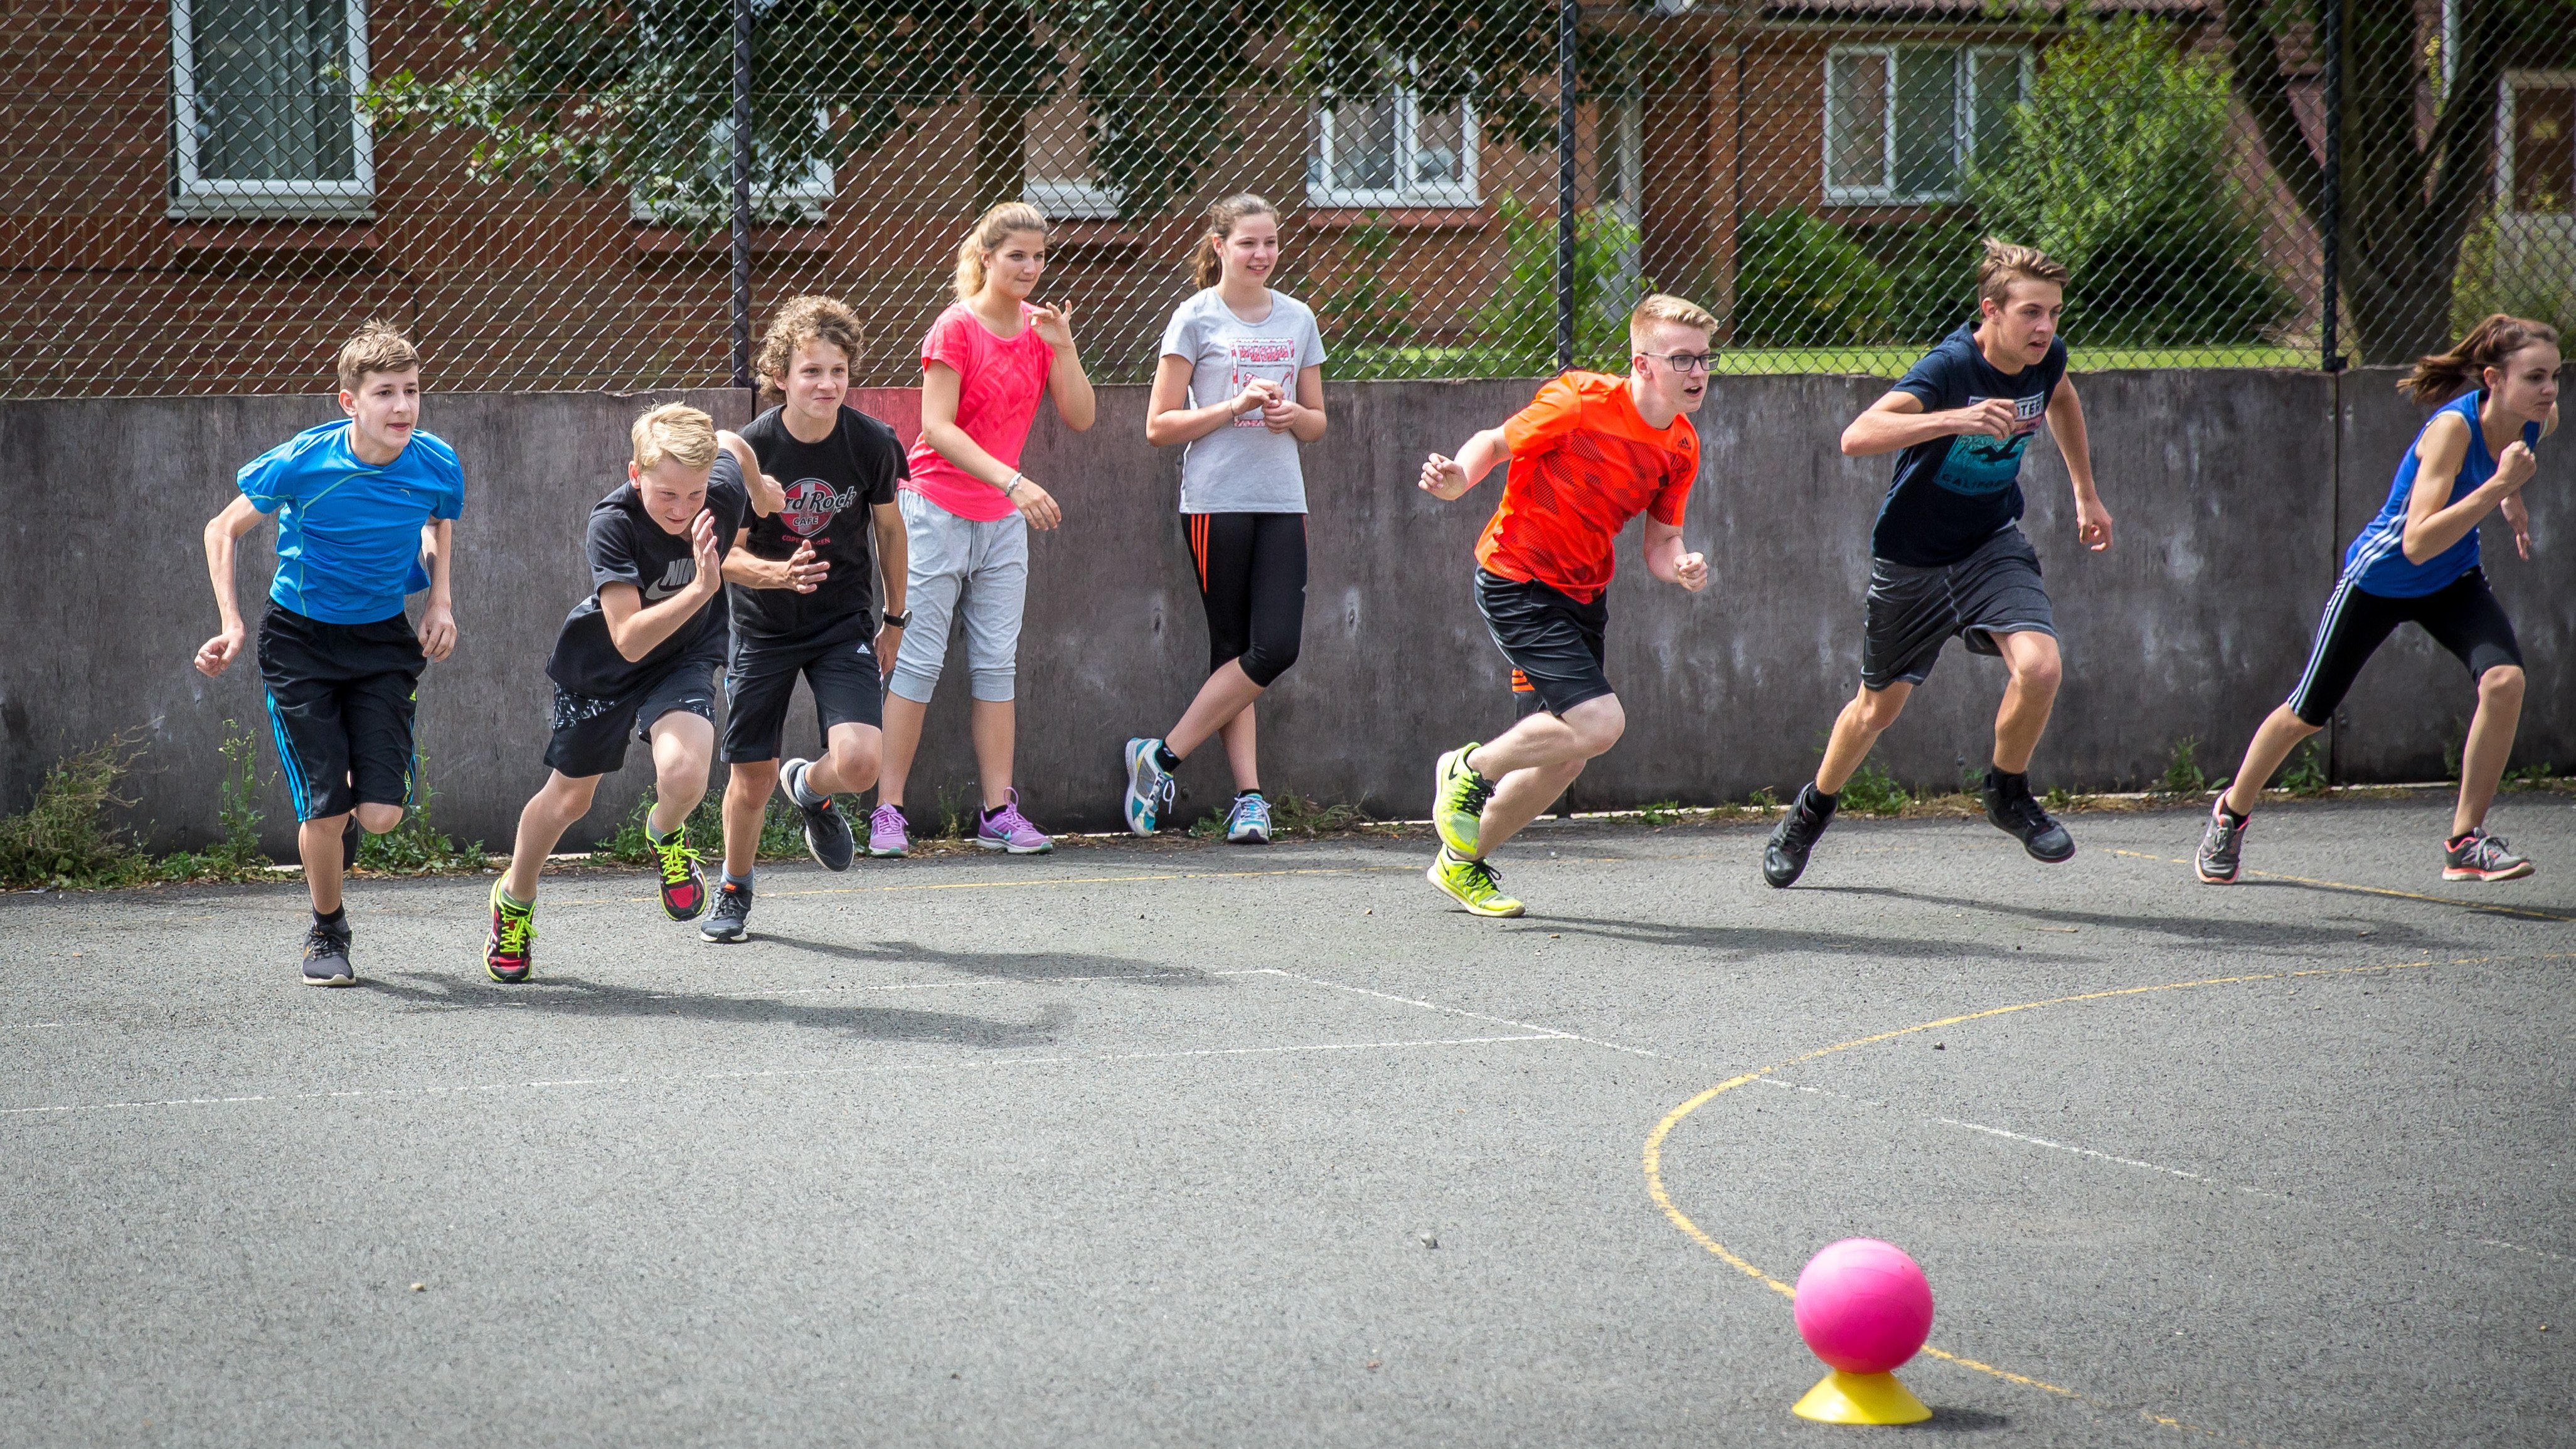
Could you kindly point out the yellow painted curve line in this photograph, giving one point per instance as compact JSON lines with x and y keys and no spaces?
{"x":2337,"y":885}
{"x":1654,"y":1150}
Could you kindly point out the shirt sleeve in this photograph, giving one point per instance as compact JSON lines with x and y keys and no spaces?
{"x":1181,"y":334}
{"x":611,"y":546}
{"x":728,"y":500}
{"x":268,"y":480}
{"x":1938,"y":382}
{"x":1548,"y":418}
{"x":949,"y":344}
{"x":1681,"y":470}
{"x":451,"y":489}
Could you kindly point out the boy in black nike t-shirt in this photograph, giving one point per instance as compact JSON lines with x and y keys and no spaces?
{"x":1947,"y":555}
{"x":638,"y":659}
{"x":804,"y":594}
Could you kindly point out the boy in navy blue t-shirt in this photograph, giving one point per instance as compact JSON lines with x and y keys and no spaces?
{"x":1947,"y":555}
{"x":365,"y":512}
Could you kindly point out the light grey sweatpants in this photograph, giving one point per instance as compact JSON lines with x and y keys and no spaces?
{"x":961,"y":569}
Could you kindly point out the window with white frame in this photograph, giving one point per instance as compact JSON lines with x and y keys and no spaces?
{"x":1392,"y":150}
{"x":1902,"y":121}
{"x":1057,"y":176}
{"x":264,"y":118}
{"x":799,"y":197}
{"x":2536,"y":143}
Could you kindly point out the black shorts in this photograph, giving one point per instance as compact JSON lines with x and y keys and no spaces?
{"x":2462,"y":616}
{"x":591,"y":733}
{"x":848,"y":689}
{"x":1553,"y":640}
{"x":1252,"y":579}
{"x":340,"y":700}
{"x":1913,"y":611}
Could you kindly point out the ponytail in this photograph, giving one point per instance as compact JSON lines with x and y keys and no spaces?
{"x":991,"y":230}
{"x":2443,"y":375}
{"x":1207,"y":259}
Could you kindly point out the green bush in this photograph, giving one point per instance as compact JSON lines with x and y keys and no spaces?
{"x":416,"y":846}
{"x":1872,"y":791}
{"x":2123,"y":166}
{"x":2183,"y":774}
{"x":1799,"y":282}
{"x":1518,"y":321}
{"x":782,"y":831}
{"x":63,"y":837}
{"x":2306,"y":774}
{"x":2535,"y":281}
{"x":237,"y":855}
{"x":1931,"y":271}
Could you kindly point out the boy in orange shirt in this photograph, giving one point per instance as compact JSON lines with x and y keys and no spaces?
{"x":1590,"y":453}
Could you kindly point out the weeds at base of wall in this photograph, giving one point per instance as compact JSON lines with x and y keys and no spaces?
{"x":64,"y":841}
{"x":416,"y":846}
{"x":782,"y":832}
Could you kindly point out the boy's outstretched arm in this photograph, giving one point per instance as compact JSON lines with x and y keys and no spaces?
{"x":438,"y":620}
{"x":223,"y":531}
{"x":1668,"y":560}
{"x":766,"y":496}
{"x":2066,"y":425}
{"x":1446,"y":478}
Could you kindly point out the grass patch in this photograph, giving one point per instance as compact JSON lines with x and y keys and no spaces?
{"x":2306,"y":774}
{"x":1873,"y":791}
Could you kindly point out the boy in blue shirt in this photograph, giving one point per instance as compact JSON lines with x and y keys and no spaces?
{"x":1947,"y":555}
{"x":365,"y":517}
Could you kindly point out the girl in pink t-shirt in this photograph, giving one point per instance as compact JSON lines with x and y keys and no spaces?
{"x":967,"y":510}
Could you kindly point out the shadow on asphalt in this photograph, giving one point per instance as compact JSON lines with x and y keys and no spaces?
{"x":1961,"y":1421}
{"x":1028,"y":966}
{"x":572,"y":996}
{"x":1769,"y":941}
{"x":2181,"y":923}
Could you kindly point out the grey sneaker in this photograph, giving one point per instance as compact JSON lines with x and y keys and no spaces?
{"x":827,"y":834}
{"x":2220,"y":845}
{"x":1149,"y":787}
{"x":1248,"y":823}
{"x":1008,"y":829}
{"x":730,"y":921}
{"x":326,"y":957}
{"x":2480,"y":856}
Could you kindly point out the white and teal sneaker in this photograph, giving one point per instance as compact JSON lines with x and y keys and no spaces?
{"x":1150,"y":787}
{"x":1248,"y":823}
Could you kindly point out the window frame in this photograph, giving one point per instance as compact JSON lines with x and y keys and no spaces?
{"x":1963,"y":116}
{"x":197,"y":197}
{"x":812,"y":198}
{"x":2509,"y":87}
{"x":1466,"y":191}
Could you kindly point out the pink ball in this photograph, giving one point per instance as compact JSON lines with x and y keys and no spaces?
{"x":1863,"y":1305}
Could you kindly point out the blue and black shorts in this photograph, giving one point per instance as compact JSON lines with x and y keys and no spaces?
{"x":340,"y":700}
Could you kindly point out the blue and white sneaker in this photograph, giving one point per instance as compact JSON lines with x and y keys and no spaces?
{"x":1248,"y":823}
{"x":1150,"y":787}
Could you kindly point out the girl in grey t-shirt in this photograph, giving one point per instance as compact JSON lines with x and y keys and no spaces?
{"x":1241,"y":382}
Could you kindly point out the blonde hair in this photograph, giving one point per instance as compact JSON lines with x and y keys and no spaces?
{"x":991,"y":230}
{"x":378,"y":347}
{"x":678,"y":432}
{"x":1657,"y":307}
{"x":1207,"y":260}
{"x":2006,"y":263}
{"x":2492,"y":343}
{"x":801,"y":320}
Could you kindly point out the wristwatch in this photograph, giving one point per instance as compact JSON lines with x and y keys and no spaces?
{"x":899,"y":621}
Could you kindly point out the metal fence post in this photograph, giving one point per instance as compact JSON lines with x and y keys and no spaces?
{"x":2330,"y":224}
{"x":1568,"y":13}
{"x":741,"y":193}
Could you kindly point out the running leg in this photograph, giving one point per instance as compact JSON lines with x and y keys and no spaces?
{"x":2033,"y":659}
{"x":548,"y":814}
{"x":1535,"y":760}
{"x":2489,"y":745}
{"x":1856,"y":729}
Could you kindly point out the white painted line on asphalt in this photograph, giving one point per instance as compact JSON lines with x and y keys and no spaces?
{"x":2099,"y":1156}
{"x":1540,"y":1034}
{"x":1461,"y":1011}
{"x":31,"y":1025}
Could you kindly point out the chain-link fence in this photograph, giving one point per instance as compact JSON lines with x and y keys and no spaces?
{"x":204,"y":195}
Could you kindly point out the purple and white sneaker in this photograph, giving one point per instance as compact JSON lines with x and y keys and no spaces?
{"x":1008,"y":829}
{"x":888,"y":839}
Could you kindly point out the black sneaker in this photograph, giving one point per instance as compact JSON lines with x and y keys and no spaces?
{"x":827,"y":833}
{"x":731,"y":919}
{"x":1785,"y":858}
{"x":2010,"y":806}
{"x":326,"y":957}
{"x":2222,"y":845}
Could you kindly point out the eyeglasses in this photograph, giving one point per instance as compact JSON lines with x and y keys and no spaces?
{"x":1683,"y":361}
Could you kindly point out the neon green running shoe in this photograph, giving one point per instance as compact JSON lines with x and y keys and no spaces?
{"x":507,"y":955}
{"x":684,"y":889}
{"x":1458,"y":796}
{"x":1472,"y":883}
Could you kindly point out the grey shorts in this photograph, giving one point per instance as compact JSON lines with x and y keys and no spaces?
{"x":1915,"y":611}
{"x":962,"y":572}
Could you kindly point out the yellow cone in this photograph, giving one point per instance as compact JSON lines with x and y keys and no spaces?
{"x":1841,"y":1398}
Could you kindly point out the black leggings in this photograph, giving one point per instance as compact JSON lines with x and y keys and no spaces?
{"x":2462,"y":616}
{"x":1252,"y":577}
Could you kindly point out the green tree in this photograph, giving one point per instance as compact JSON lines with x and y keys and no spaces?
{"x":640,"y":93}
{"x":2121,"y":166}
{"x":2418,"y":154}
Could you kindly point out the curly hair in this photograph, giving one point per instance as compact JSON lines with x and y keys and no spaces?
{"x":800,"y":320}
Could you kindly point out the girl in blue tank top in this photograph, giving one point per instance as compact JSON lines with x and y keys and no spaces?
{"x":2417,"y":562}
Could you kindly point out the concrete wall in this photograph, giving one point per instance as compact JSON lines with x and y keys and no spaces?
{"x":2230,"y":501}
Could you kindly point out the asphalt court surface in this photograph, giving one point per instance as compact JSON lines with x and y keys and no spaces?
{"x":1207,"y":1146}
